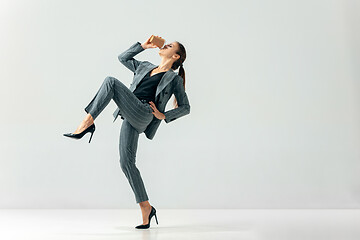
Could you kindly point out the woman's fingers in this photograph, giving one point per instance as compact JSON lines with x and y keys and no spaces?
{"x":152,"y":105}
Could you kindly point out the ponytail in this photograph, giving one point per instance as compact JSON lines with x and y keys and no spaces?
{"x":179,"y":63}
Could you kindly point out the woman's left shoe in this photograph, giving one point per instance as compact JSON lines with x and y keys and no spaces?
{"x":152,"y":213}
{"x":91,"y":129}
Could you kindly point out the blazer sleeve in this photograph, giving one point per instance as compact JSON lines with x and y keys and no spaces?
{"x":127,"y":57}
{"x":182,"y":101}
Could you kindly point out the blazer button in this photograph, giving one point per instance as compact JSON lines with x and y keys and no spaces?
{"x":159,"y":101}
{"x":166,"y":92}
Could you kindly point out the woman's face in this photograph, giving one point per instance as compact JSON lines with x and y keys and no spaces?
{"x":169,"y":50}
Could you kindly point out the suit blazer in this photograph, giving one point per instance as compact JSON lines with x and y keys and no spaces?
{"x":170,"y":83}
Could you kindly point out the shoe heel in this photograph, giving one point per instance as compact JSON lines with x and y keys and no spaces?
{"x":156,"y":219}
{"x":91,"y":136}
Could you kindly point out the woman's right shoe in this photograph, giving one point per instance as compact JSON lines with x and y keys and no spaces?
{"x":152,"y":213}
{"x":91,"y":129}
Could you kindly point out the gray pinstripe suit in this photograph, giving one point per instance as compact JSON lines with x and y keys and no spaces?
{"x":171,"y":83}
{"x":138,"y":115}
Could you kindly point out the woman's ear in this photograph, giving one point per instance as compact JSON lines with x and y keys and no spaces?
{"x":176,"y":56}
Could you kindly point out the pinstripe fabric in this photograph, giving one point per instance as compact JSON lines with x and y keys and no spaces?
{"x":170,"y":83}
{"x":128,"y":143}
{"x":137,"y":116}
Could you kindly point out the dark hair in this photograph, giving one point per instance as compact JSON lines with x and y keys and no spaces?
{"x":178,"y":63}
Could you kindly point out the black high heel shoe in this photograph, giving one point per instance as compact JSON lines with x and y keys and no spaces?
{"x":91,"y":129}
{"x":152,"y":213}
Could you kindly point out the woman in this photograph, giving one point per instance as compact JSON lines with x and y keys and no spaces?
{"x":142,"y":107}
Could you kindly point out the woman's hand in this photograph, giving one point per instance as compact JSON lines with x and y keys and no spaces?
{"x":148,"y":44}
{"x":156,"y":112}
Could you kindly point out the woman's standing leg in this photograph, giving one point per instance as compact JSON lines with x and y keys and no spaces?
{"x":128,"y":143}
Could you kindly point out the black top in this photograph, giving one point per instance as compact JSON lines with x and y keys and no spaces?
{"x":146,"y":89}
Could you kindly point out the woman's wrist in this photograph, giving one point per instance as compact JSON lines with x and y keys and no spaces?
{"x":143,"y":46}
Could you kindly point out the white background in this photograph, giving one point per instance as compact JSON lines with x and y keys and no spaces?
{"x":273,"y":88}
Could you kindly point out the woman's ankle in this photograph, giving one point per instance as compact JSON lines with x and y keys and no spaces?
{"x":145,"y":204}
{"x":89,"y":118}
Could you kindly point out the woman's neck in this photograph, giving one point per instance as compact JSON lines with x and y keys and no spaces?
{"x":165,"y":65}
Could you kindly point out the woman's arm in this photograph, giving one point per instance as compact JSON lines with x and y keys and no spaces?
{"x":127,"y":57}
{"x":182,"y":101}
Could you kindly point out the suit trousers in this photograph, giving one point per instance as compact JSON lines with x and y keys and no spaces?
{"x":137,"y":115}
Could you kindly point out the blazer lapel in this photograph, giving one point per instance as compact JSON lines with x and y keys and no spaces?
{"x":165,"y":80}
{"x":140,"y":75}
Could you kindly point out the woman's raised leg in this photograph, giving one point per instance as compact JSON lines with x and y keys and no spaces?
{"x":138,"y":114}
